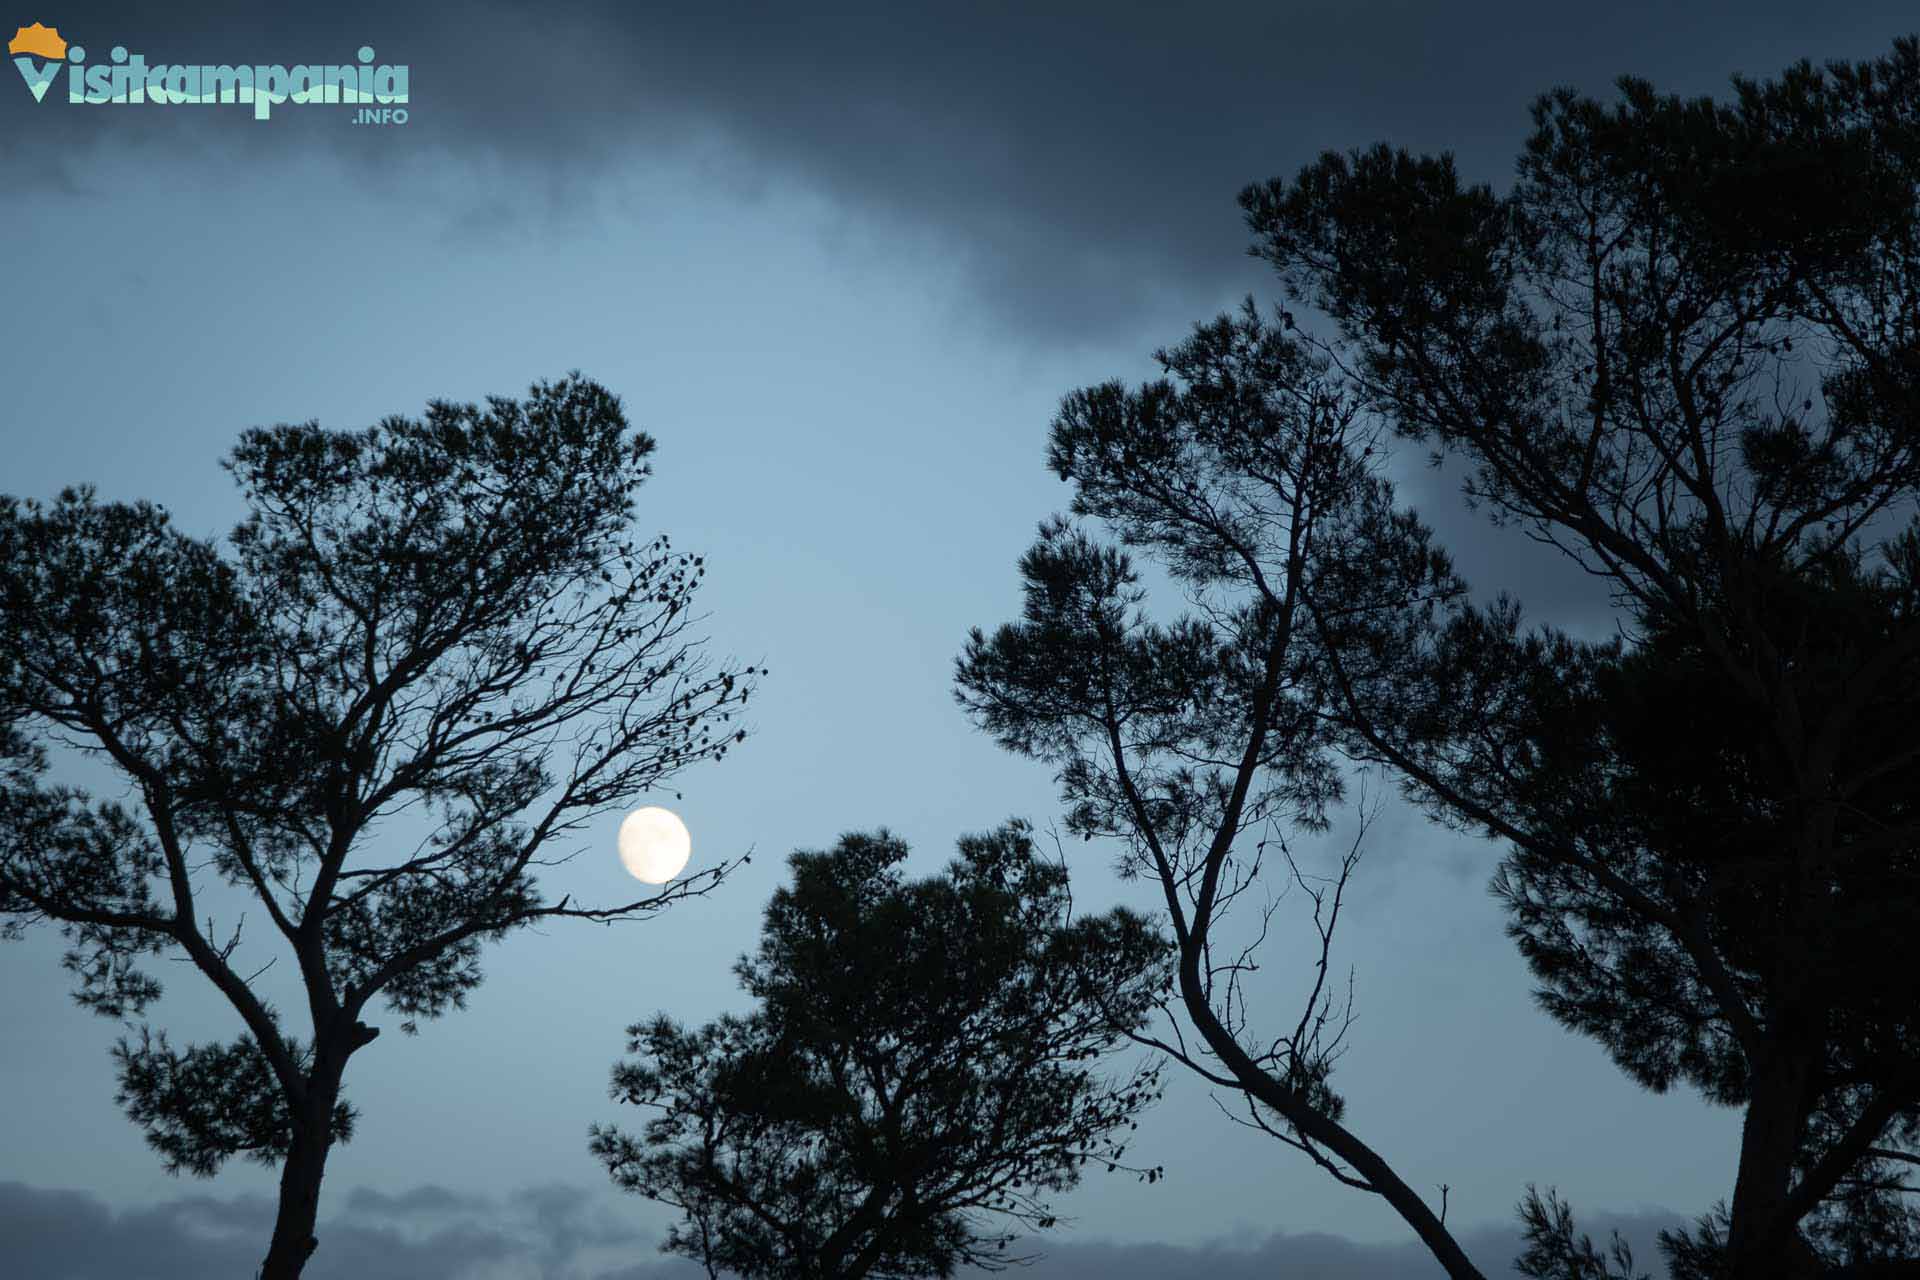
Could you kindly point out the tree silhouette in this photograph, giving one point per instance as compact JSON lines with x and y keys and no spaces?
{"x":441,"y":613}
{"x":1676,"y":773}
{"x":1245,"y":474}
{"x":1553,"y":1253}
{"x":1672,"y":352}
{"x":920,"y":1058}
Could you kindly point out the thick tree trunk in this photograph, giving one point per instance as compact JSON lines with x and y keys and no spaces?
{"x":1762,"y":1242}
{"x":293,"y":1238}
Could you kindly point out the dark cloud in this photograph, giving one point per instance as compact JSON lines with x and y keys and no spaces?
{"x":69,"y":1235}
{"x":1078,"y":162}
{"x":567,"y":1233}
{"x":1322,"y":1256}
{"x":427,"y":1233}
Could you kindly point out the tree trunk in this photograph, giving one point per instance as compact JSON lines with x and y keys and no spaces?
{"x":1319,"y":1128}
{"x":293,"y":1238}
{"x":869,"y":1216}
{"x":1761,"y":1242}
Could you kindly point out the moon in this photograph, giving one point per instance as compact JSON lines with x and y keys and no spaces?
{"x":654,"y":845}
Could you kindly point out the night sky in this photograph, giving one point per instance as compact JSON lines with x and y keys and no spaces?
{"x":843,"y":264}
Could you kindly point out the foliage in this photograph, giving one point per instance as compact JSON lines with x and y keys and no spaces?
{"x":1672,"y":354}
{"x":444,"y":615}
{"x":1197,"y":744}
{"x":919,"y":1058}
{"x":1553,"y":1253}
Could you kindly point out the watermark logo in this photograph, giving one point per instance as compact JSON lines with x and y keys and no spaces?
{"x":33,"y":42}
{"x":39,"y":52}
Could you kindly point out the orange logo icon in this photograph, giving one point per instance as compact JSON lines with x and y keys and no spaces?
{"x":41,"y":41}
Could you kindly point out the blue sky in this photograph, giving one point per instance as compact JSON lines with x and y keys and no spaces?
{"x":842,"y":265}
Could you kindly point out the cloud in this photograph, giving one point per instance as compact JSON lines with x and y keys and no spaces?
{"x":427,"y":1233}
{"x":558,"y":1232}
{"x":1322,"y":1256}
{"x":426,"y":1199}
{"x":69,"y":1235}
{"x":1076,"y":162}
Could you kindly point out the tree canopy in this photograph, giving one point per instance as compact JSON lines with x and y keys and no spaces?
{"x":920,"y":1063}
{"x":1671,"y":352}
{"x":1199,"y":744}
{"x":444,"y":615}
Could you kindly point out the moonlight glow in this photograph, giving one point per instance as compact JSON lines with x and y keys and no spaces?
{"x":654,"y":845}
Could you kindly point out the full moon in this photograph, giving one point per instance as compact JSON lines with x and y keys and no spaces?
{"x":654,"y":845}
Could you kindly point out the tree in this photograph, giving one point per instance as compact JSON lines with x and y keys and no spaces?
{"x":443,"y":613}
{"x":1690,"y":786}
{"x":920,"y":1056}
{"x":1196,"y":744}
{"x":1553,"y":1254}
{"x":1673,"y":353}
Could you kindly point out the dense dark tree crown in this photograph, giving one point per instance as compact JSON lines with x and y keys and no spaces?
{"x":1678,"y":352}
{"x":921,"y":1058}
